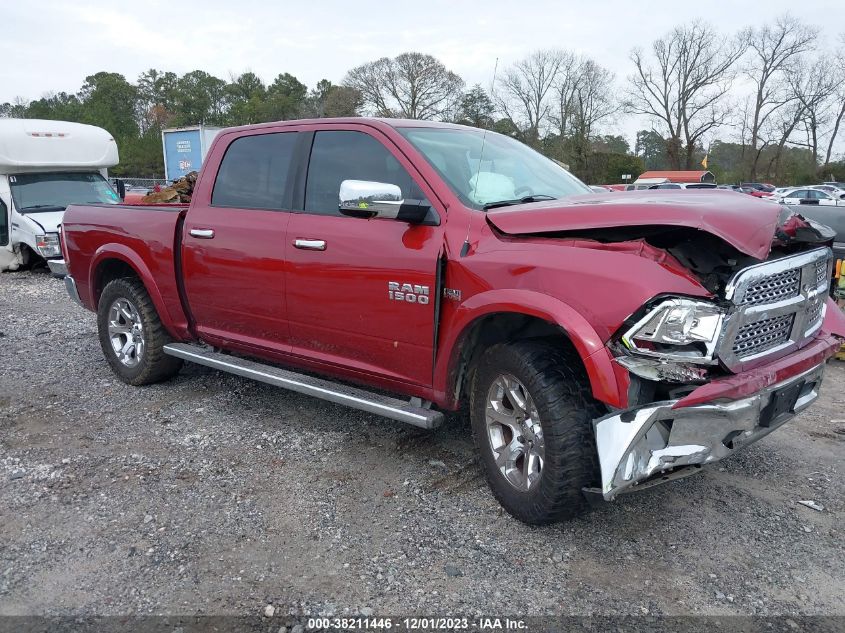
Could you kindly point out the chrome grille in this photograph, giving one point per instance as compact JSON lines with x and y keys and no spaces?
{"x":778,"y":307}
{"x":760,"y":336}
{"x":821,"y":272}
{"x":772,"y":289}
{"x":815,"y":315}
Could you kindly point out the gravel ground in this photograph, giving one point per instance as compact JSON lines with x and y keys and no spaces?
{"x":212,"y":494}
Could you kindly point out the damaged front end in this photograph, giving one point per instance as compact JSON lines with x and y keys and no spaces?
{"x":654,"y":441}
{"x":769,"y":326}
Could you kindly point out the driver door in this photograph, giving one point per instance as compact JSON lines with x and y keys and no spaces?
{"x":361,"y":292}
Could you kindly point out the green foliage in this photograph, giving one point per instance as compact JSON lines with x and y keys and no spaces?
{"x":476,"y":109}
{"x":652,"y":149}
{"x":832,"y":172}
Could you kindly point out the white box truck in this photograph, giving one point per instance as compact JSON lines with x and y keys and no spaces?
{"x":44,"y":167}
{"x":185,"y":148}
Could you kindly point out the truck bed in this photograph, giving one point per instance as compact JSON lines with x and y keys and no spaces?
{"x":104,"y":237}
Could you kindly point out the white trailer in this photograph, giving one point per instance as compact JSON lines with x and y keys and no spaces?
{"x":44,"y":167}
{"x":185,"y":148}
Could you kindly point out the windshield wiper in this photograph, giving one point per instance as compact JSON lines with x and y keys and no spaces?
{"x":42,"y":207}
{"x":537,"y":197}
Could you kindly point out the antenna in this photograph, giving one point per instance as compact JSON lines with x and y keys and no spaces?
{"x":465,"y":247}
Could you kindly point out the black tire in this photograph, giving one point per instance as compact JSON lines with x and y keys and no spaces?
{"x":556,"y":381}
{"x":153,"y":365}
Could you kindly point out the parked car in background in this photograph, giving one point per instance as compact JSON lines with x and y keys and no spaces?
{"x":830,"y":216}
{"x":807,"y":195}
{"x":45,"y":166}
{"x":685,"y":185}
{"x":405,"y":271}
{"x":600,"y":188}
{"x":839,"y":185}
{"x":758,"y":186}
{"x":645,"y":183}
{"x":831,"y":189}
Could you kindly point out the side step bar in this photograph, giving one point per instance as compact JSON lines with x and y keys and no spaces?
{"x":333,"y":392}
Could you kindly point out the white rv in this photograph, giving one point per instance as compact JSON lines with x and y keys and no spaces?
{"x":44,"y":167}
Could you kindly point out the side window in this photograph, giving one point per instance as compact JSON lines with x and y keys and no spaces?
{"x":345,"y":155}
{"x":254,"y":172}
{"x":4,"y":224}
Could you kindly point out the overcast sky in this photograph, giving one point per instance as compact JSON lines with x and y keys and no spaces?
{"x":51,"y":46}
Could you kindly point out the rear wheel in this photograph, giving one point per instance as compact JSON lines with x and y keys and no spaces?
{"x":131,"y":334}
{"x":532,"y":413}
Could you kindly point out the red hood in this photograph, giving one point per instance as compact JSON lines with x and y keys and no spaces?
{"x":744,"y":222}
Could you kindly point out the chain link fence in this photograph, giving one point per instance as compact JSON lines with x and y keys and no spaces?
{"x":147,"y":183}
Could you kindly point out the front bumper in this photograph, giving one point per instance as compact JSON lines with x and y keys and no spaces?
{"x":57,"y":266}
{"x":651,"y":442}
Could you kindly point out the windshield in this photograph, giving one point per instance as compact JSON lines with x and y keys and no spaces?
{"x":33,"y":193}
{"x":508,"y":171}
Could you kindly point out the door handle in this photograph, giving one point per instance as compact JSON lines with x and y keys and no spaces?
{"x":203,"y":234}
{"x":310,"y":245}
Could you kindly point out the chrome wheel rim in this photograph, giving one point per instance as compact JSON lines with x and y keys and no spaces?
{"x":514,"y":432}
{"x":126,"y":332}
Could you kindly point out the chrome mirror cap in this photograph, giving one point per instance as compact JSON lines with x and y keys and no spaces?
{"x":363,"y":198}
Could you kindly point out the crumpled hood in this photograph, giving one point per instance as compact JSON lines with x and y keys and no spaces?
{"x":48,"y":220}
{"x":744,"y":222}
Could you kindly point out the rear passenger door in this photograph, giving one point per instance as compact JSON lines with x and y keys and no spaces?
{"x":233,"y":248}
{"x":361,"y":294}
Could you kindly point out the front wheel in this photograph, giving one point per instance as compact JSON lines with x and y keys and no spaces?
{"x":532,"y":412}
{"x":132,"y":335}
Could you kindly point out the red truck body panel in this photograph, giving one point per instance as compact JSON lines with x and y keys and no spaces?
{"x":744,"y":223}
{"x":251,"y":290}
{"x":141,"y":237}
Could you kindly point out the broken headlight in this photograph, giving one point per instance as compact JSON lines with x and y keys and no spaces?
{"x":677,"y":329}
{"x":48,"y":245}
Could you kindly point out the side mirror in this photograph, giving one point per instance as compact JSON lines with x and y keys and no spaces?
{"x":121,"y":188}
{"x":366,"y":199}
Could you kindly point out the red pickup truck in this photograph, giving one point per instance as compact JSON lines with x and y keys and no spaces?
{"x":600,"y":342}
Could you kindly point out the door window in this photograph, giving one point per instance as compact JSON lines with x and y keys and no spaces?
{"x":346,"y":155}
{"x":4,"y":224}
{"x":255,"y":171}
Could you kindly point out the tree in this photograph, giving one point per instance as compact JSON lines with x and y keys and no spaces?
{"x":774,"y":50}
{"x":839,"y":97}
{"x":412,"y":85}
{"x":156,"y":99}
{"x":683,"y":87}
{"x":200,"y":98}
{"x":285,"y":98}
{"x":814,"y":84}
{"x":60,"y":106}
{"x":651,"y":148}
{"x":592,"y":101}
{"x":524,"y":91}
{"x":16,"y":110}
{"x":611,"y":144}
{"x":109,"y":101}
{"x":342,"y":101}
{"x":315,"y":103}
{"x":476,"y":108}
{"x":246,"y":95}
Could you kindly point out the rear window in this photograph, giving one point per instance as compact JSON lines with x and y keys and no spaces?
{"x":255,"y":171}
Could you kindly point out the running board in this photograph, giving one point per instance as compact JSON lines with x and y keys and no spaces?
{"x":326,"y":390}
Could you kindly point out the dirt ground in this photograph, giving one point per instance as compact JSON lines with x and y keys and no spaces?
{"x":211,"y":494}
